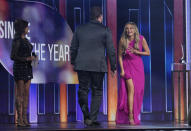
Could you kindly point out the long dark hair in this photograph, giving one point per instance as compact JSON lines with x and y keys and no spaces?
{"x":19,"y":26}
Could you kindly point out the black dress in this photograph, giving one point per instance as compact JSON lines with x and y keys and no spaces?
{"x":21,"y":49}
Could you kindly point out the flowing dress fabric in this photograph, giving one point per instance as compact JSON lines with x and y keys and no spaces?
{"x":134,"y":69}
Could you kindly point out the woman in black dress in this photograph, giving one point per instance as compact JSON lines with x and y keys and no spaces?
{"x":22,"y":69}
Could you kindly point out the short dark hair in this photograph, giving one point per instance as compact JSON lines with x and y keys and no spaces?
{"x":20,"y":25}
{"x":95,"y":12}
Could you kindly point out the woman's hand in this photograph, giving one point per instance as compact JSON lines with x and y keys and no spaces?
{"x":31,"y":58}
{"x":122,"y":74}
{"x":135,"y":51}
{"x":132,"y":50}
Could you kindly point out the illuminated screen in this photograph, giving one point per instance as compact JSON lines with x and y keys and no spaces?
{"x":49,"y":34}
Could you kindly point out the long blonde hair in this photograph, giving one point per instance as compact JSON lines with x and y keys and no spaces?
{"x":123,"y":44}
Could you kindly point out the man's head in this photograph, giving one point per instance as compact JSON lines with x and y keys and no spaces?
{"x":96,"y":14}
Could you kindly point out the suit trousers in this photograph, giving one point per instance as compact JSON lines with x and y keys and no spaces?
{"x":93,"y":80}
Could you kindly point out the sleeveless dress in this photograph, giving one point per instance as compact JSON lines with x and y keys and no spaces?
{"x":134,"y":69}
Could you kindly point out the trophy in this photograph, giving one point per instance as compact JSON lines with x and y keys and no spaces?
{"x":182,"y":60}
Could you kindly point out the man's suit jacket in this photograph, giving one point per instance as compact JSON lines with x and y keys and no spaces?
{"x":88,"y":47}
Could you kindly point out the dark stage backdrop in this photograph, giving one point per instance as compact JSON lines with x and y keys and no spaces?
{"x":155,"y":21}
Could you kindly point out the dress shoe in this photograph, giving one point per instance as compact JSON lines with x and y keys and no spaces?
{"x":88,"y":122}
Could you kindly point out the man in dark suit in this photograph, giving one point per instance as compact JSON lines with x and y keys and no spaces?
{"x":89,"y":43}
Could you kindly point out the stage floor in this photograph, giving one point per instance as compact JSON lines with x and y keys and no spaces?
{"x":148,"y":126}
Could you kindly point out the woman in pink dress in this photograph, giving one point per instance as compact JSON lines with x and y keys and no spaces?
{"x":132,"y":79}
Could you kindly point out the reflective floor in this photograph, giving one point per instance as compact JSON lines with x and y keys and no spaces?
{"x":147,"y":126}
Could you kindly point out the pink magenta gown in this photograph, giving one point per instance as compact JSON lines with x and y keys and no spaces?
{"x":134,"y":69}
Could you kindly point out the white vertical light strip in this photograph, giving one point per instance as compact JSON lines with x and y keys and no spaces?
{"x":105,"y":95}
{"x":166,"y":10}
{"x":150,"y":73}
{"x":38,"y":99}
{"x":105,"y":76}
{"x":165,"y":57}
{"x":33,"y":116}
{"x":79,"y":115}
{"x":188,"y":44}
{"x":150,"y":56}
{"x":56,"y":97}
{"x":188,"y":31}
{"x":75,"y":15}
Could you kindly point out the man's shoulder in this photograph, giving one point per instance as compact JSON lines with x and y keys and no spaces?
{"x":82,"y":27}
{"x":102,"y":26}
{"x":88,"y":26}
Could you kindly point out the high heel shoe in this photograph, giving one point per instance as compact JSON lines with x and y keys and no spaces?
{"x":24,"y":115}
{"x":131,"y":119}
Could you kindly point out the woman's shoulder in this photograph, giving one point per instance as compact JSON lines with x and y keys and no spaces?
{"x":141,"y":37}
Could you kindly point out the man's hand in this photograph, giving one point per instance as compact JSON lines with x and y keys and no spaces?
{"x":73,"y":67}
